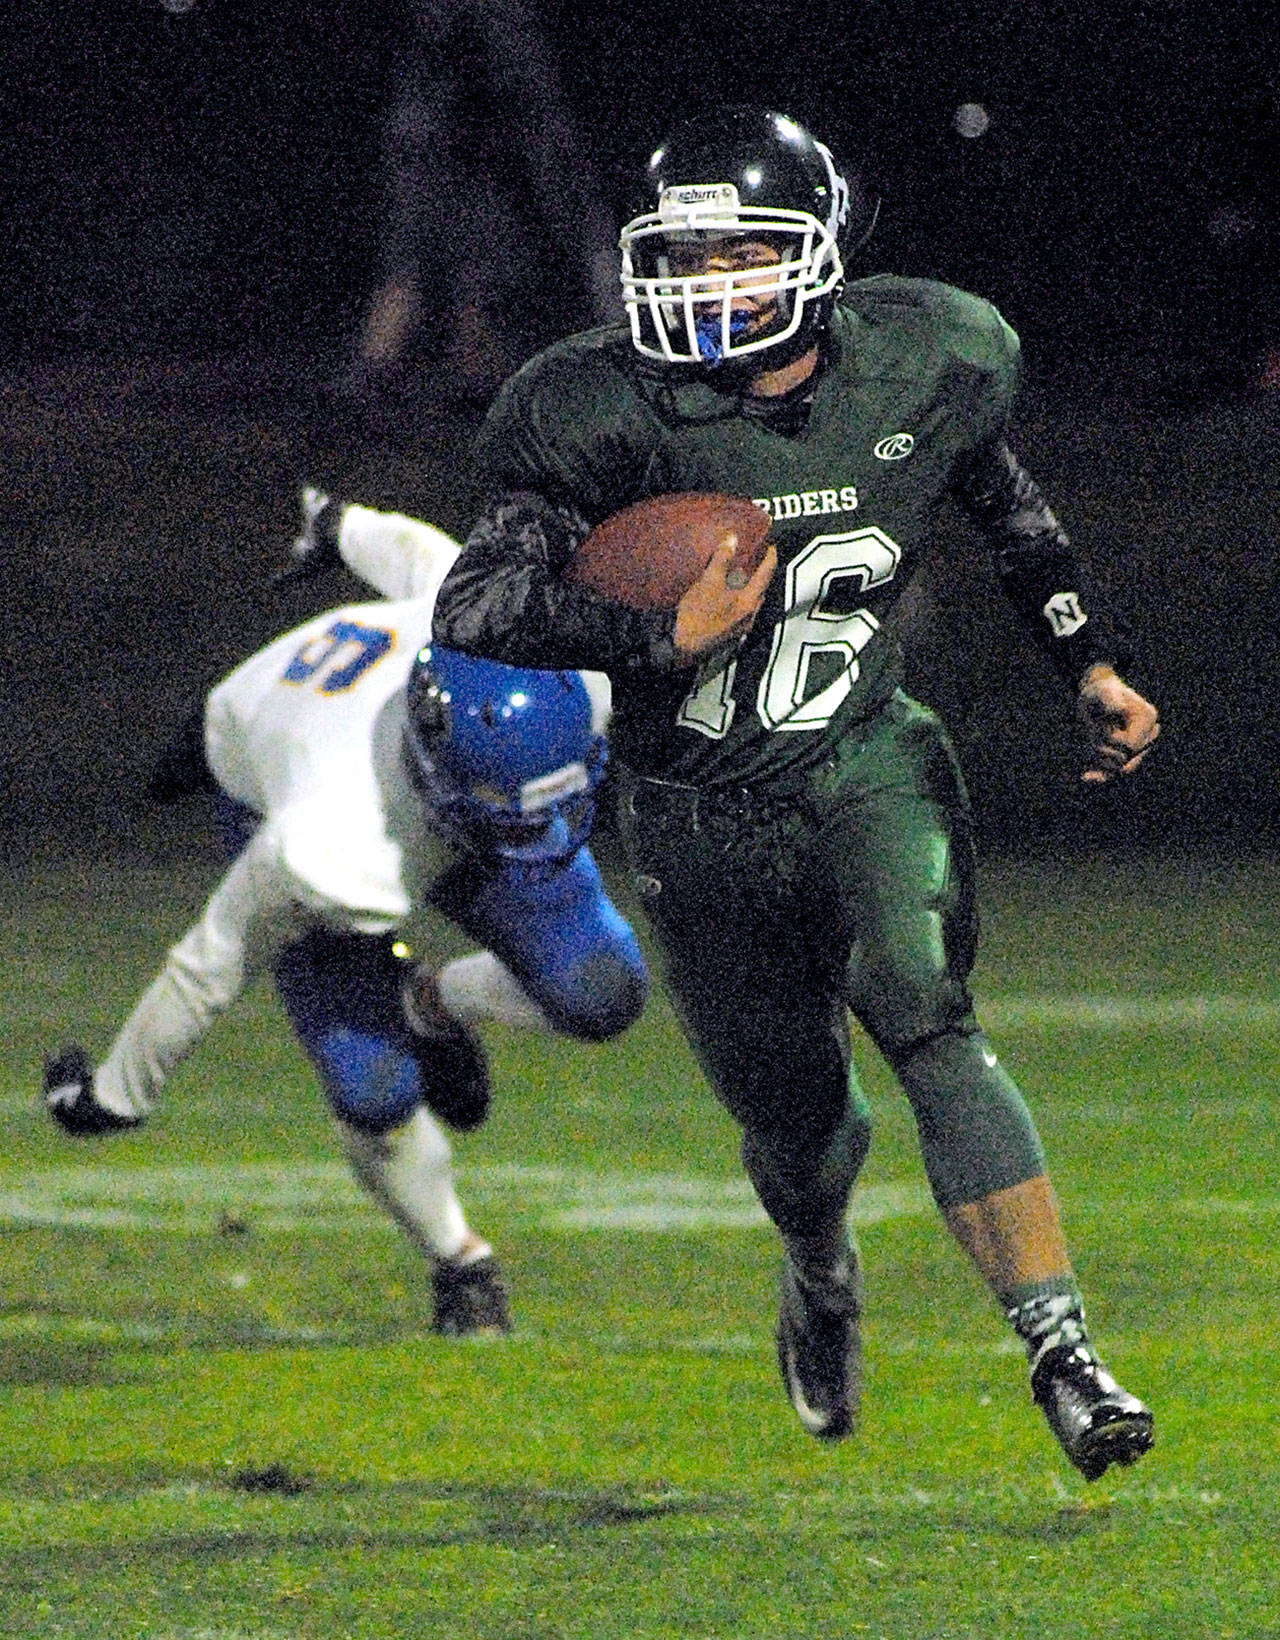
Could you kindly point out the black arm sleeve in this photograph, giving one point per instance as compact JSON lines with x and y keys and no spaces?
{"x":505,"y":597}
{"x":1046,"y":579}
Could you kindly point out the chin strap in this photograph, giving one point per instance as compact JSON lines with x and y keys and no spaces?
{"x":785,"y":413}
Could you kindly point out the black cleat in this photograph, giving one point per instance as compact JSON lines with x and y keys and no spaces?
{"x":820,"y":1347}
{"x":451,"y":1058}
{"x":469,"y":1299}
{"x":70,"y":1100}
{"x":1096,"y":1422}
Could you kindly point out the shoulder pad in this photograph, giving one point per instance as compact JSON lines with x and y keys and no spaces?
{"x":904,"y":324}
{"x":967,"y":325}
{"x":570,"y":424}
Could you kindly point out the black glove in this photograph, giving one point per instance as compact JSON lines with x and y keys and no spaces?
{"x":314,"y":549}
{"x":70,"y":1100}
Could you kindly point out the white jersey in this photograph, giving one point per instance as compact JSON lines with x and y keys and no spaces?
{"x":307,"y":733}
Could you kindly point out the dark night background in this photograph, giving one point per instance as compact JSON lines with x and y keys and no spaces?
{"x":193,"y":215}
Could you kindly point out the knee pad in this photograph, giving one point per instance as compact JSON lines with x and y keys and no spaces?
{"x":372,"y":1085}
{"x":560,"y":935}
{"x":342,"y":995}
{"x":595,"y":999}
{"x":976,"y":1133}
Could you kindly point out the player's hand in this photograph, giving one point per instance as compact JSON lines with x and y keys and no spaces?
{"x":314,"y":550}
{"x":719,"y":607}
{"x":71,"y":1101}
{"x":1120,"y":725}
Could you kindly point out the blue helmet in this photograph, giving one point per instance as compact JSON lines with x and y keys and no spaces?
{"x":507,"y":759}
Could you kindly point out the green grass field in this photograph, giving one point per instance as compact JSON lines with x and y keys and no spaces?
{"x":224,"y":1419}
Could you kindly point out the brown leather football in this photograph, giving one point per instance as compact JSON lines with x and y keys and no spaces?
{"x":649,"y":554}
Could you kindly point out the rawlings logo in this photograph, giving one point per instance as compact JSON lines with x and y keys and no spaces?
{"x":897,"y":447}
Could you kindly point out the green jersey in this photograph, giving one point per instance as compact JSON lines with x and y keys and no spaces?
{"x":917,"y":379}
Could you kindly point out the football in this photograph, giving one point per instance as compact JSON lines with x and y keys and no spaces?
{"x":649,"y":554}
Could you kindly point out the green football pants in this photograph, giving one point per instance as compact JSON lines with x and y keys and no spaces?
{"x":778,"y":913}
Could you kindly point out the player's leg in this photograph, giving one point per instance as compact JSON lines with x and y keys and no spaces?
{"x":560,"y":936}
{"x":472,"y":989}
{"x":775,"y":1050}
{"x":761,"y":1009}
{"x":407,"y":1170}
{"x":758,"y":1001}
{"x":903,"y":857}
{"x":342,"y":993}
{"x":202,"y":975}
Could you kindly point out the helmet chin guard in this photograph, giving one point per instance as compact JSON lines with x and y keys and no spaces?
{"x":726,"y":181}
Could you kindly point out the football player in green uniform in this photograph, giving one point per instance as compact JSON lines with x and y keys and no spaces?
{"x":797,"y":826}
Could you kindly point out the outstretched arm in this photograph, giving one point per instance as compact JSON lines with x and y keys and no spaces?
{"x":399,"y":557}
{"x":247,"y":919}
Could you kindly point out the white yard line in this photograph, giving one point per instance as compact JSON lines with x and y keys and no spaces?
{"x":1115,"y":1013}
{"x":322,"y":1198}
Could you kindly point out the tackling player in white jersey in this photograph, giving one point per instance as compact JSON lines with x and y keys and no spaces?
{"x":363,"y":780}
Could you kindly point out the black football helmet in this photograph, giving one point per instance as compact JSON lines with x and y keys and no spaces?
{"x":751,"y":176}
